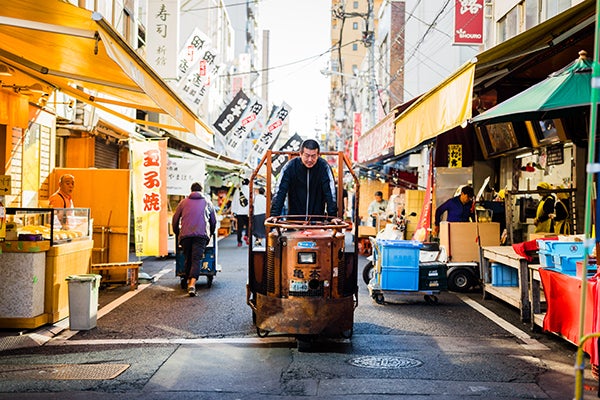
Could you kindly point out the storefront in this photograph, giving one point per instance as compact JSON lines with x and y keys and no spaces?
{"x":47,"y":52}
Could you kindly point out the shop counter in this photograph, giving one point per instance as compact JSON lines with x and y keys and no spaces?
{"x":22,"y":280}
{"x":517,"y":296}
{"x":563,"y":298}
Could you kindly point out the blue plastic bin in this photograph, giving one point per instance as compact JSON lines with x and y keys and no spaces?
{"x":400,"y":278}
{"x":400,"y":253}
{"x":566,"y":264}
{"x":503,"y":275}
{"x":560,"y":248}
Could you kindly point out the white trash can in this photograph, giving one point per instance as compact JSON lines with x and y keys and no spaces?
{"x":83,"y":301}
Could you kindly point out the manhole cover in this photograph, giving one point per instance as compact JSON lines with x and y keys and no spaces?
{"x":385,"y":362}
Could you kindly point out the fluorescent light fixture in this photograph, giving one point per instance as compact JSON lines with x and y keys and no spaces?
{"x":5,"y":70}
{"x":37,"y":88}
{"x":526,"y":154}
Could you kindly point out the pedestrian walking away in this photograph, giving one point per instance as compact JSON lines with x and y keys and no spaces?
{"x":239,"y":207}
{"x":194,"y":222}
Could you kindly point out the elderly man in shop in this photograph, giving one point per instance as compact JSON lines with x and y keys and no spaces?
{"x":62,"y":198}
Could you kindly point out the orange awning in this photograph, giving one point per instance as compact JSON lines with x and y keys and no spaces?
{"x":76,"y":51}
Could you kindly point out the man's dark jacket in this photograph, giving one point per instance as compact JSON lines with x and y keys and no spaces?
{"x":309,"y":189}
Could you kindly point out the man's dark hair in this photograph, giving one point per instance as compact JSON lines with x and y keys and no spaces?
{"x":196,"y":187}
{"x":261,"y":190}
{"x":310,"y":144}
{"x":379,"y":193}
{"x":245,"y":181}
{"x":468,"y":190}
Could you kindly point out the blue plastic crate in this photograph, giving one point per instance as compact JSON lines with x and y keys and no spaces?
{"x":399,"y":253}
{"x":560,"y":248}
{"x":400,"y":278}
{"x":503,"y":275}
{"x":546,"y":259}
{"x":566,"y":264}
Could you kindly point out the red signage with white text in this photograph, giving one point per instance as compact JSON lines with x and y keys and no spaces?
{"x":468,"y":22}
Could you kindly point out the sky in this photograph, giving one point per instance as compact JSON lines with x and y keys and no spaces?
{"x":299,"y":33}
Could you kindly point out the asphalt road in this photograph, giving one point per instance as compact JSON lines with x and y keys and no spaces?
{"x":174,"y":346}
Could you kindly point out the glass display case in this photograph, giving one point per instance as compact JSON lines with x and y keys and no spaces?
{"x":58,"y":225}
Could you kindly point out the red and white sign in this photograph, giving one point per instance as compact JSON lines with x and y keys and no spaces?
{"x":468,"y":22}
{"x":356,"y":133}
{"x":378,"y":141}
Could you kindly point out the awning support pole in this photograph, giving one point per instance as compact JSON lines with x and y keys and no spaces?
{"x":588,"y":209}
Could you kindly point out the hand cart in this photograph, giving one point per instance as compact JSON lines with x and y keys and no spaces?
{"x":208,"y":264}
{"x":399,"y":270}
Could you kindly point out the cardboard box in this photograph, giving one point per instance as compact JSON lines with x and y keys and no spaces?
{"x":366,"y":231}
{"x":460,"y":239}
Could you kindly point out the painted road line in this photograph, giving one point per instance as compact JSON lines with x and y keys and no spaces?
{"x":528,"y":342}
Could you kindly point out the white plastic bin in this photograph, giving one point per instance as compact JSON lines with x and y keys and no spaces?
{"x":83,"y":301}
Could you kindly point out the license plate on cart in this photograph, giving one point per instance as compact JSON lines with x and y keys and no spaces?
{"x":298,"y":286}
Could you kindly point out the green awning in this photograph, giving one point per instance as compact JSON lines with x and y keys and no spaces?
{"x":563,"y":90}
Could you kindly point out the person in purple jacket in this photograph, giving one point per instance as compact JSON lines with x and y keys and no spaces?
{"x":194,"y":222}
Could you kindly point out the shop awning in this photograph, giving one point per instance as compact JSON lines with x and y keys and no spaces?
{"x":564,"y":89}
{"x":76,"y":51}
{"x":446,"y":106}
{"x":529,"y":57}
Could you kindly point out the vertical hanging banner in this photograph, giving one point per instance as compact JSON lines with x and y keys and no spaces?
{"x":468,"y":22}
{"x":271,"y":131}
{"x":163,"y":37}
{"x":196,"y":66}
{"x":293,"y":144}
{"x":245,"y":124}
{"x":191,"y":53}
{"x":232,"y":113}
{"x":149,"y":169}
{"x":424,"y":223}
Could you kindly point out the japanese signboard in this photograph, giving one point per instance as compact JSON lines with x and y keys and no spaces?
{"x":232,"y":113}
{"x":270,"y":132}
{"x":245,"y":124}
{"x":196,"y":67}
{"x":191,"y":53}
{"x":293,"y":144}
{"x":468,"y":22}
{"x":149,"y":182}
{"x":377,"y":141}
{"x":163,"y":37}
{"x":182,"y":172}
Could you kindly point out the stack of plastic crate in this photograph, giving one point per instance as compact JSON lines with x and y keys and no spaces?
{"x":399,"y":264}
{"x":561,"y":255}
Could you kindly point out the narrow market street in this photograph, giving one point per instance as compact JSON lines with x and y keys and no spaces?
{"x":159,"y":343}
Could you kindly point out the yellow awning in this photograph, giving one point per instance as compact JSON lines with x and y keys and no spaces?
{"x":71,"y":48}
{"x":442,"y":108}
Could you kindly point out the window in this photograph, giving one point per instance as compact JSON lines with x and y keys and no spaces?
{"x":532,"y":13}
{"x":354,"y":46}
{"x":355,"y":5}
{"x":511,"y":24}
{"x":355,"y":25}
{"x":554,"y":7}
